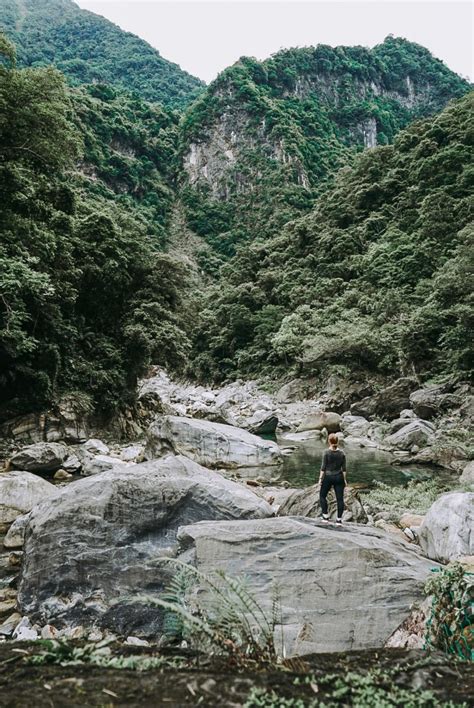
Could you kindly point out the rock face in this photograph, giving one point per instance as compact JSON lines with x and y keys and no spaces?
{"x":433,"y":401}
{"x":386,"y":403}
{"x":318,"y":421}
{"x":467,"y":476}
{"x":340,"y":589}
{"x":20,"y":492}
{"x":99,"y":540}
{"x":210,"y":444}
{"x":418,"y":432}
{"x":305,"y":502}
{"x":16,"y":533}
{"x":40,"y":457}
{"x":447,"y":531}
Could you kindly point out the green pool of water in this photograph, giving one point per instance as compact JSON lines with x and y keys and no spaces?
{"x":301,"y":467}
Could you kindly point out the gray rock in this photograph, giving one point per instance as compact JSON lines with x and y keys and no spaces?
{"x":96,"y":447}
{"x":97,"y":464}
{"x":320,"y":420}
{"x":447,"y":531}
{"x":40,"y":457}
{"x":467,"y":476}
{"x":20,"y":492}
{"x":72,"y":464}
{"x":100,"y":540}
{"x":132,"y":453}
{"x":355,"y":426}
{"x":340,"y":588}
{"x":418,"y":432}
{"x":296,"y":390}
{"x":16,"y":533}
{"x":262,"y":423}
{"x":386,"y":403}
{"x":210,"y":444}
{"x":305,"y":502}
{"x":7,"y":627}
{"x":433,"y":401}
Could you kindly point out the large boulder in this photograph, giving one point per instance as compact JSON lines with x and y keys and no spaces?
{"x":305,"y":502}
{"x":340,"y":588}
{"x":418,"y":432}
{"x":433,"y":401}
{"x":20,"y":492}
{"x":210,"y":444}
{"x":40,"y":457}
{"x":319,"y":420}
{"x":447,"y":531}
{"x":386,"y":403}
{"x":296,"y":390}
{"x":99,"y":540}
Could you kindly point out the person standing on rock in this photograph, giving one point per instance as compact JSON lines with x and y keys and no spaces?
{"x":333,"y":474}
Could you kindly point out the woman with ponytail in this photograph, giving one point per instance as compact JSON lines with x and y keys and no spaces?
{"x":333,"y":474}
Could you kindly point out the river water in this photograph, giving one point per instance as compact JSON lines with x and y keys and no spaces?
{"x":364,"y":465}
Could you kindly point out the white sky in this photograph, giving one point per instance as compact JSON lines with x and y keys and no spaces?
{"x":205,"y":37}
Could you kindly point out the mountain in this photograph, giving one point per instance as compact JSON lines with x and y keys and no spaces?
{"x":88,"y":49}
{"x":264,"y":139}
{"x":375,"y":280}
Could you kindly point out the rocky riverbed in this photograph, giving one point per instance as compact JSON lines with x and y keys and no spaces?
{"x":212,"y":478}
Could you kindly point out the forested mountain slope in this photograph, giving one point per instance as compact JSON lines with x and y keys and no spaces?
{"x":88,"y":48}
{"x":262,"y":141}
{"x":86,"y":297}
{"x":376,"y":279}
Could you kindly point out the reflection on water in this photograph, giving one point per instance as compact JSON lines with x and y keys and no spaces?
{"x":364,"y":466}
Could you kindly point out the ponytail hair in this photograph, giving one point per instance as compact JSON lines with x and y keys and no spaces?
{"x":332,"y":439}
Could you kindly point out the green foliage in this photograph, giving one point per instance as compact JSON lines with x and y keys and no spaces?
{"x":373,"y":689}
{"x":299,"y":116}
{"x":416,"y":497}
{"x":450,"y":626}
{"x":376,"y":278}
{"x":89,"y":49}
{"x":217,"y":614}
{"x":98,"y":654}
{"x":86,"y":298}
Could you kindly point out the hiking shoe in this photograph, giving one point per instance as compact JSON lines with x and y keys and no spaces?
{"x":339,"y":522}
{"x":325,"y":519}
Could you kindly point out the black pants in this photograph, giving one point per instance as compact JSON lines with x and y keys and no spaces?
{"x":336,"y":481}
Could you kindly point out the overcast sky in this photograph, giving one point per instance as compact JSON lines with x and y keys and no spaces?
{"x":205,"y":37}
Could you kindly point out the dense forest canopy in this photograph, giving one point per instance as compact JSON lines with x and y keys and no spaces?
{"x":86,"y":298}
{"x":88,"y":49}
{"x":377,"y":278}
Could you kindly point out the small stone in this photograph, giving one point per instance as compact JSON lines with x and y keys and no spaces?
{"x":72,"y":464}
{"x":136,"y":642}
{"x":15,"y":558}
{"x":95,"y":636}
{"x":25,"y":634}
{"x":7,"y":606}
{"x":414,"y":449}
{"x":62,"y":475}
{"x":410,"y":520}
{"x":16,"y":533}
{"x":6,"y":629}
{"x":409,"y":534}
{"x":74,"y":632}
{"x":132,"y":453}
{"x":96,"y":447}
{"x":49,"y":632}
